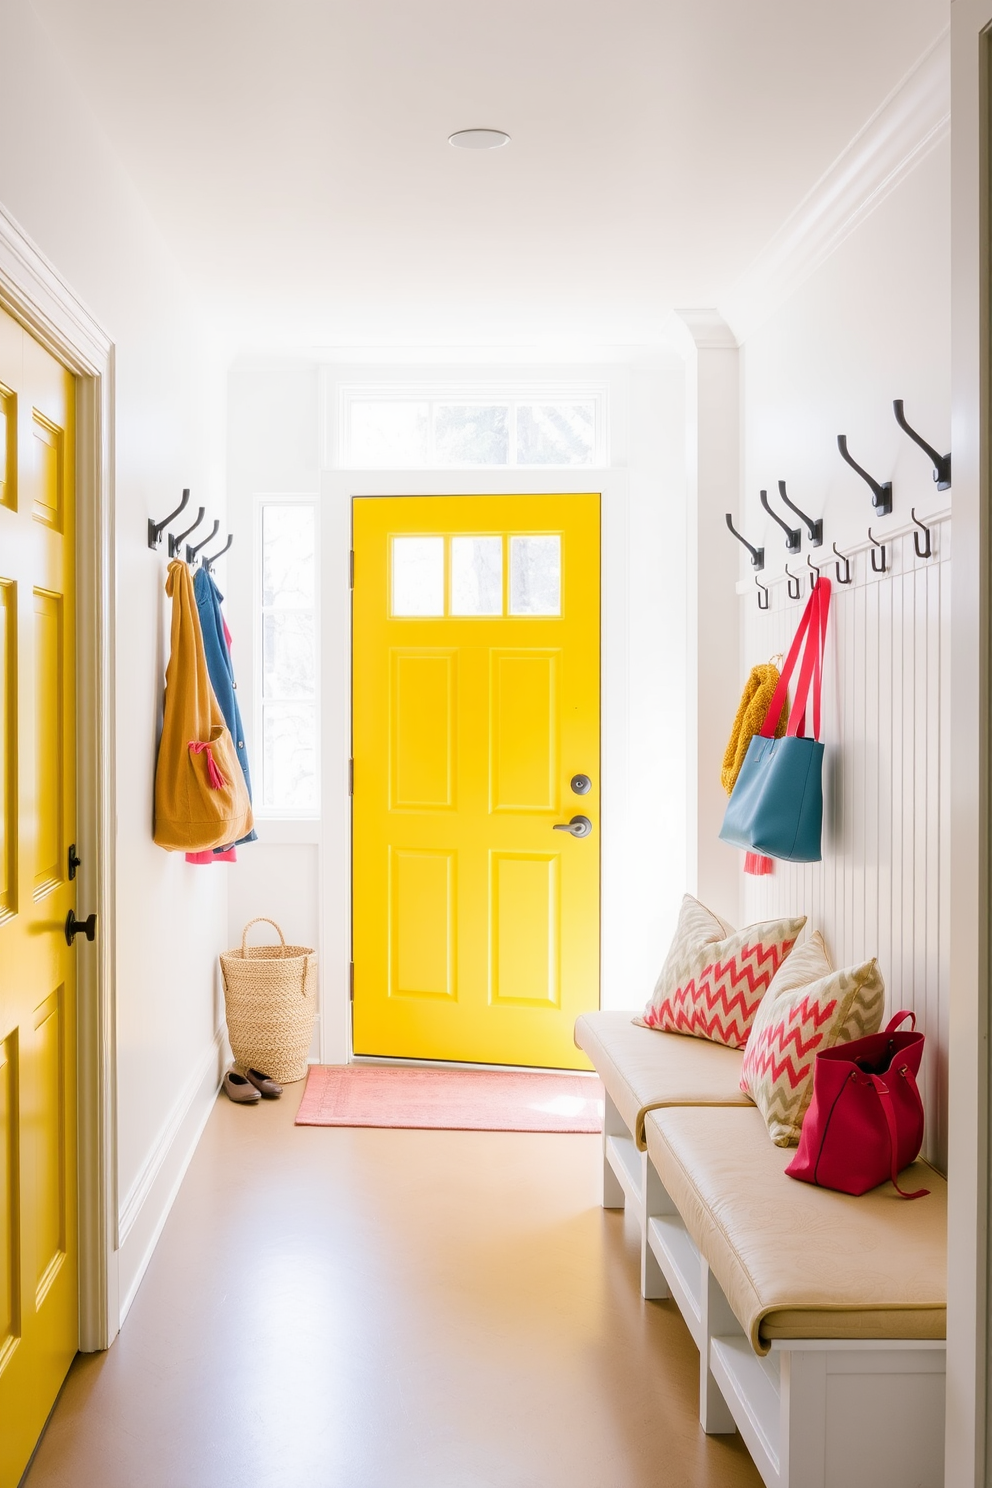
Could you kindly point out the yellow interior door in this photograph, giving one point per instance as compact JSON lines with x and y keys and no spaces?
{"x":475,"y":709}
{"x":38,"y":1268}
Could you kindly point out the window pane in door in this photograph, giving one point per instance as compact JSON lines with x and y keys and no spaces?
{"x":472,"y":434}
{"x":535,"y":575}
{"x":556,"y":433}
{"x":477,"y":576}
{"x":418,"y":576}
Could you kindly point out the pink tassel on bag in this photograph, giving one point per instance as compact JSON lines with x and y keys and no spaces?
{"x":216,"y":779}
{"x":757,"y":864}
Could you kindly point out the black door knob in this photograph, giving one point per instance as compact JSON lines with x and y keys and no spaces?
{"x":74,"y":927}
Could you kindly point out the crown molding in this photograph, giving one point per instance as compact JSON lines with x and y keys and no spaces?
{"x":914,"y":118}
{"x":692,"y":331}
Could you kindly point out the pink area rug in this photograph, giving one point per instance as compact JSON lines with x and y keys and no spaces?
{"x":451,"y":1099}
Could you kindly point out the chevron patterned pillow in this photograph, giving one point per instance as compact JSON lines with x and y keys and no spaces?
{"x":714,"y":977}
{"x":795,"y":1022}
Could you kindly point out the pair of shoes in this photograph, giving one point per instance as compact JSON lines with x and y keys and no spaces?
{"x":248,"y":1091}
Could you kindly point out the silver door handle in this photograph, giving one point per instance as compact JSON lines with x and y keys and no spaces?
{"x":579,"y":826}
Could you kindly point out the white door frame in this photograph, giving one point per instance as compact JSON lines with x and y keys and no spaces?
{"x":336,"y":492}
{"x":968,"y":1458}
{"x":32,"y":291}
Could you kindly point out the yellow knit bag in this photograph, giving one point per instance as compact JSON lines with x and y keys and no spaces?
{"x":755,"y":702}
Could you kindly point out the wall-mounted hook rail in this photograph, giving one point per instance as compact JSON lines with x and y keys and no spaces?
{"x":877,"y":547}
{"x":764,"y":598}
{"x":209,"y":559}
{"x":795,"y":586}
{"x":155,"y":529}
{"x":192,"y":552}
{"x":848,"y":577}
{"x":941,"y":463}
{"x":757,"y":554}
{"x":176,"y":540}
{"x":881,"y":494}
{"x":927,"y":550}
{"x":814,"y":528}
{"x":793,"y":535}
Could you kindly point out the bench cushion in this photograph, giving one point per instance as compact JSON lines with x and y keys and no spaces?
{"x":795,"y":1261}
{"x":642,"y":1068}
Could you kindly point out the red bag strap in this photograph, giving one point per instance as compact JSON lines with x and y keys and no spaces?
{"x":809,"y":641}
{"x":885,"y":1096}
{"x":900,"y":1018}
{"x":811,"y":672}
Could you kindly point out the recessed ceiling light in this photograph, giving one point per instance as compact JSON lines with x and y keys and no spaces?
{"x":479,"y":139}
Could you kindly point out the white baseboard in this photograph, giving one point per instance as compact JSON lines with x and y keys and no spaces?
{"x":147,"y":1204}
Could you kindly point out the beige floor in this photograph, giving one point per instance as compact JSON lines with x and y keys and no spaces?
{"x":388,"y":1309}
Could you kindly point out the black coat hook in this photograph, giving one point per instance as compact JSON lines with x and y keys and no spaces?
{"x":881,"y":495}
{"x":764,"y":601}
{"x":878,"y":567}
{"x":155,"y":529}
{"x":794,"y":593}
{"x":927,"y":550}
{"x":192,"y":552}
{"x":814,"y":572}
{"x":941,"y":463}
{"x":848,"y":577}
{"x":815,"y":529}
{"x":176,"y":540}
{"x":757,"y":554}
{"x":209,"y":559}
{"x":793,"y":535}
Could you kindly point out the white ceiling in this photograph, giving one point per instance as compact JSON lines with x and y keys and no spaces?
{"x":294,"y":152}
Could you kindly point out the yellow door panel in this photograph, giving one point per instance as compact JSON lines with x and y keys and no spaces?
{"x":38,"y":1260}
{"x":475,"y":701}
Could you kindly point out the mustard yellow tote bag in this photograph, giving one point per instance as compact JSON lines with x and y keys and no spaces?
{"x":200,"y":796}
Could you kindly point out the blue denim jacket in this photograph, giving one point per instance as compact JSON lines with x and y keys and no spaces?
{"x":220,"y":669}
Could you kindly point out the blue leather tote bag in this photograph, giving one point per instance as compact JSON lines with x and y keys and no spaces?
{"x":776,"y":806}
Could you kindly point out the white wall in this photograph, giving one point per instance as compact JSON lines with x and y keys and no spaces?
{"x":275,"y":422}
{"x":871,"y":325}
{"x":61,"y":182}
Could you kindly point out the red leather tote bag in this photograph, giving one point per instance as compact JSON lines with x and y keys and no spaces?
{"x":865,"y":1121}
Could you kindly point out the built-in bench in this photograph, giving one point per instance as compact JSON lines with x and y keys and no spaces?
{"x":643,"y":1070}
{"x":819,"y":1318}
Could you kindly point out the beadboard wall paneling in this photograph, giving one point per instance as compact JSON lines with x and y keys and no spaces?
{"x":883,"y":885}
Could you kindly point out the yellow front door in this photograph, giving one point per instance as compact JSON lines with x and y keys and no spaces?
{"x":476,"y":734}
{"x":38,"y":1271}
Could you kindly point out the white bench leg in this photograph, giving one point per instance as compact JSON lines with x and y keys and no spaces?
{"x":656,"y":1201}
{"x":613,"y":1126}
{"x":716,"y":1320}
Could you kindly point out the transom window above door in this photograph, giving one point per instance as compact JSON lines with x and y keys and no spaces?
{"x":388,"y":429}
{"x":468,"y":575}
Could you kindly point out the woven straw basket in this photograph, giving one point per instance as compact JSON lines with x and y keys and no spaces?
{"x":270,"y":992}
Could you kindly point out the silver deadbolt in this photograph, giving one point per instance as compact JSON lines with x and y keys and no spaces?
{"x":581,"y":784}
{"x":579,"y":826}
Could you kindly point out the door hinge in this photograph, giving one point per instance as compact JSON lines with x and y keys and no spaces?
{"x":351,"y":777}
{"x":351,"y":981}
{"x":351,"y":569}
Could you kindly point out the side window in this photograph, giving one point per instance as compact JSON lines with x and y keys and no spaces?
{"x":288,"y":688}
